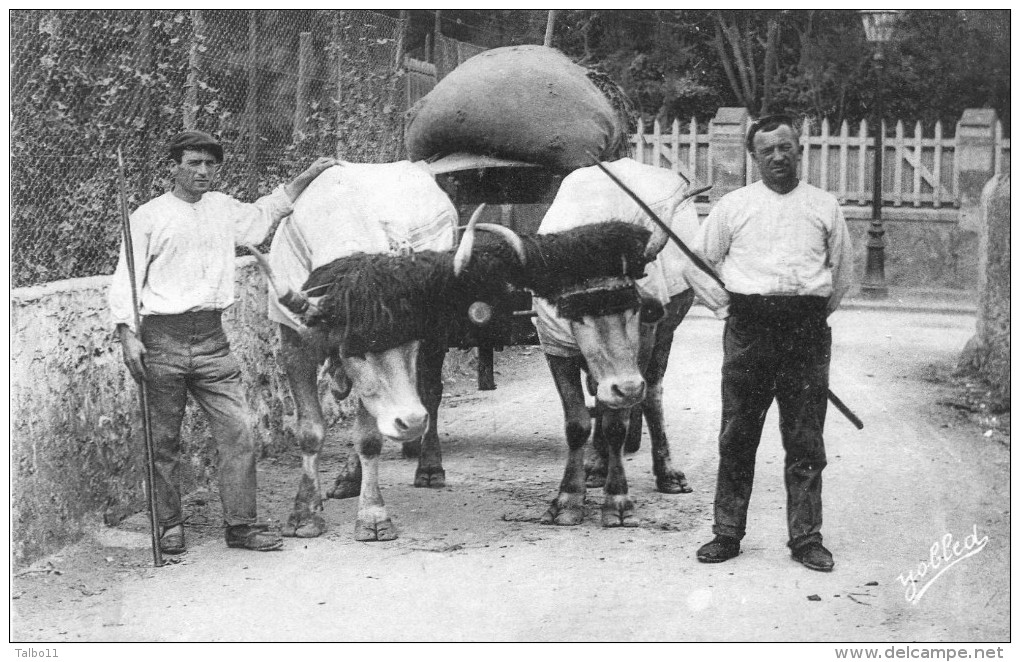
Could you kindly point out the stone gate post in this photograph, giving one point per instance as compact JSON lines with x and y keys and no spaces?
{"x":975,"y":158}
{"x":726,"y":149}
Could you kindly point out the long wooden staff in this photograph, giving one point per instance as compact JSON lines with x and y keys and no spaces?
{"x":143,"y":391}
{"x":698,"y":262}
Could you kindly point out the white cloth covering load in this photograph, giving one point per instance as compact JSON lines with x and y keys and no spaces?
{"x":588,"y":196}
{"x":359,"y":208}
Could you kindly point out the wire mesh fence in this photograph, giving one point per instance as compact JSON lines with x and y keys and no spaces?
{"x":278,"y":88}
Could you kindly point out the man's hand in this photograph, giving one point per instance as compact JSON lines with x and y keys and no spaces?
{"x":301,"y":182}
{"x":134,"y":351}
{"x":318,"y":166}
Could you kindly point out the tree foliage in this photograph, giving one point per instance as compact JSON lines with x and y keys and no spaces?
{"x":817,"y":63}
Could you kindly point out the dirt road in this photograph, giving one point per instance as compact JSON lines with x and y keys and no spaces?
{"x":473,"y":563}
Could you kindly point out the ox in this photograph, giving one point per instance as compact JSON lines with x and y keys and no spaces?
{"x":575,"y":344}
{"x":594,"y":290}
{"x":361,"y":209}
{"x":370,"y":315}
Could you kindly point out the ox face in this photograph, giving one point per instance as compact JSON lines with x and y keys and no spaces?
{"x":610,"y":344}
{"x":605,"y":318}
{"x":386,"y":383}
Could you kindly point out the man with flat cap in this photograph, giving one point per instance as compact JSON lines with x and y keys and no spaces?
{"x":184,"y":245}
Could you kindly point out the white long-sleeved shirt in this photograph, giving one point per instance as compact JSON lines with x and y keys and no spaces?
{"x":763,"y":242}
{"x":184,"y":252}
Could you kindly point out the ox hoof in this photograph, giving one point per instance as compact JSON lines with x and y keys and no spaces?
{"x":565,"y":510}
{"x":411,"y":449}
{"x":304,"y":525}
{"x":618,"y":510}
{"x":365,"y":531}
{"x":345,"y":487}
{"x":430,"y":477}
{"x":674,"y":482}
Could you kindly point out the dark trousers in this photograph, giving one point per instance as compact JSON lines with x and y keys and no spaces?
{"x":774,"y":348}
{"x":189,"y":353}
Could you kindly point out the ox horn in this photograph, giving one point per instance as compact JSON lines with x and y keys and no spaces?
{"x":294,"y":301}
{"x":467,"y":243}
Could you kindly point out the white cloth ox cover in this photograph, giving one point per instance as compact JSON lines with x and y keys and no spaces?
{"x":359,"y":207}
{"x":588,"y":196}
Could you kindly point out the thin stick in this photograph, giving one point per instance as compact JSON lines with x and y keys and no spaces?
{"x":143,"y":391}
{"x":843,"y":409}
{"x":691,"y":255}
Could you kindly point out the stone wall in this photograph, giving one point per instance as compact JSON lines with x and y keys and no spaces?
{"x":76,"y":440}
{"x":994,"y":310}
{"x":921,"y":250}
{"x":925,"y":248}
{"x":987,"y":353}
{"x":72,"y":415}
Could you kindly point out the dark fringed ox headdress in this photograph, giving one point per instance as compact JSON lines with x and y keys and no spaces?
{"x":587,"y":270}
{"x":565,"y":260}
{"x":375,"y":302}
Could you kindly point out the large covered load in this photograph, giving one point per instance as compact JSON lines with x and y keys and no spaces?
{"x":528,"y":103}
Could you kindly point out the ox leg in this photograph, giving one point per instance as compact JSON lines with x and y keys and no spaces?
{"x":348,"y":481}
{"x":632,"y":444}
{"x":646,"y":350}
{"x":301,"y":365}
{"x":618,"y":508}
{"x":596,"y":465}
{"x":373,"y":521}
{"x":430,"y":472}
{"x":668,"y":479}
{"x":567,"y":509}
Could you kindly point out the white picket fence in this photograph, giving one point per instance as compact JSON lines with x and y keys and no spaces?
{"x":916,"y":170}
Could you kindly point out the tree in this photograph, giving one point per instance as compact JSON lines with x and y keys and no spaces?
{"x":933,"y":81}
{"x":816,"y":63}
{"x":747,"y":43}
{"x":830,"y":67}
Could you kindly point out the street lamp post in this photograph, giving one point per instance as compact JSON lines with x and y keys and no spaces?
{"x":878,"y":28}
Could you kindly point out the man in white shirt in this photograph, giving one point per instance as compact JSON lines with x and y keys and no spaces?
{"x":782,"y":248}
{"x":184,"y":259}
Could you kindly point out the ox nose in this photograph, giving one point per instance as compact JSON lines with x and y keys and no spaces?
{"x":411,"y":423}
{"x":625,"y":392}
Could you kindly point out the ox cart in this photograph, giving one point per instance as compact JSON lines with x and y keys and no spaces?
{"x":517,"y":195}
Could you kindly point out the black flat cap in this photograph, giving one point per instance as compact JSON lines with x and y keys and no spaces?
{"x":194,"y":140}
